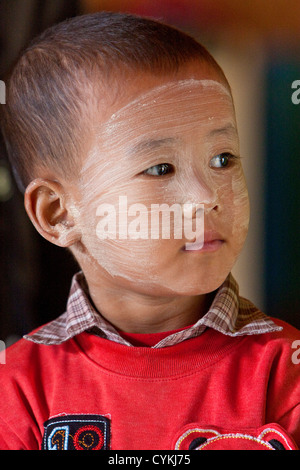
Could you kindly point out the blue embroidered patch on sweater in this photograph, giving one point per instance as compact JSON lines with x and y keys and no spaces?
{"x":76,"y":432}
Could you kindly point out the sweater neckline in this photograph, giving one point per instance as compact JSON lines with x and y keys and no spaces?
{"x":180,"y":359}
{"x":148,"y":339}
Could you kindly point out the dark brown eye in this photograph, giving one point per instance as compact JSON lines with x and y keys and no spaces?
{"x":221,"y":161}
{"x":159,"y":170}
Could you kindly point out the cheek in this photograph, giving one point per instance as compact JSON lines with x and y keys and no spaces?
{"x":120,"y":243}
{"x":238,"y":211}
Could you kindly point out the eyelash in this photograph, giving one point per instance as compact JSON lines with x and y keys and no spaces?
{"x":164,"y":167}
{"x":167,"y":168}
{"x":229,"y":158}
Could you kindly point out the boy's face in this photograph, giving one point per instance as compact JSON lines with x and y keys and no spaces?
{"x":170,"y":142}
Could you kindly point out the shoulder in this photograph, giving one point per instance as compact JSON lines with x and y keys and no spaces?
{"x":28,"y":377}
{"x":287,"y":336}
{"x":277,"y":355}
{"x":283,"y":339}
{"x":28,"y":362}
{"x":288,"y":341}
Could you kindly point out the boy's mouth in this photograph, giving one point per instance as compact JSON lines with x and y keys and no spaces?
{"x":212,"y":242}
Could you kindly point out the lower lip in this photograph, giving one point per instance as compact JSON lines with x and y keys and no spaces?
{"x":207,"y":247}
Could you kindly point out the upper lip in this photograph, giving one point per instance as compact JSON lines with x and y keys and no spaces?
{"x":212,"y":235}
{"x":209,"y":236}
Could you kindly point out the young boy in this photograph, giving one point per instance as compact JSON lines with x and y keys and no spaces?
{"x":121,"y":131}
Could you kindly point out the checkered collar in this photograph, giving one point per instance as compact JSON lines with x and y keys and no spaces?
{"x":229,"y":314}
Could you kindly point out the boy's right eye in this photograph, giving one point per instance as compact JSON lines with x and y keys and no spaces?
{"x":159,"y":170}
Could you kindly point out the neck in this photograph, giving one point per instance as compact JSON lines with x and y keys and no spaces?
{"x":138,"y":312}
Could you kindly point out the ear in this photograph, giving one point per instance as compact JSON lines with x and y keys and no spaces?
{"x":50,"y":210}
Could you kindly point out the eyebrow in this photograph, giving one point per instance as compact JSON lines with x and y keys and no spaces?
{"x":228,"y":129}
{"x":152,"y":144}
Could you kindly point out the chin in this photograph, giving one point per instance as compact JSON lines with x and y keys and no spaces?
{"x":203,"y":286}
{"x":193,"y":283}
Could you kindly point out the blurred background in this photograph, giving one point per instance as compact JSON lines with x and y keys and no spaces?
{"x":257,"y":44}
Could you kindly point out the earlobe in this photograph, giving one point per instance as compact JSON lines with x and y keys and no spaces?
{"x":46,"y":204}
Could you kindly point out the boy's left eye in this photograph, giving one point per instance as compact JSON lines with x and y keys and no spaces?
{"x":159,"y":170}
{"x":222,"y":160}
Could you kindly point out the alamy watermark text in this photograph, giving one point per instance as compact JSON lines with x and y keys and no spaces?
{"x":296,"y":94}
{"x":137,"y":221}
{"x":2,"y":92}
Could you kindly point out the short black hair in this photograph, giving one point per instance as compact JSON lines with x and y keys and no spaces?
{"x":46,"y":107}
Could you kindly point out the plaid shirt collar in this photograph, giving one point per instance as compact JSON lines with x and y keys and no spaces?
{"x":229,"y":314}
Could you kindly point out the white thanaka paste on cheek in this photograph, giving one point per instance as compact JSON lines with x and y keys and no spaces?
{"x":184,"y":124}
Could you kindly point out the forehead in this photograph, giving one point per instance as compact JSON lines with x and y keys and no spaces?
{"x":173,"y":108}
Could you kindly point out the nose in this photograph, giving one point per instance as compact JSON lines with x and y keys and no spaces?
{"x":191,"y":210}
{"x":201,"y":195}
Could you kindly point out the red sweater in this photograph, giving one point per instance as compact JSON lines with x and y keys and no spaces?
{"x":212,"y":390}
